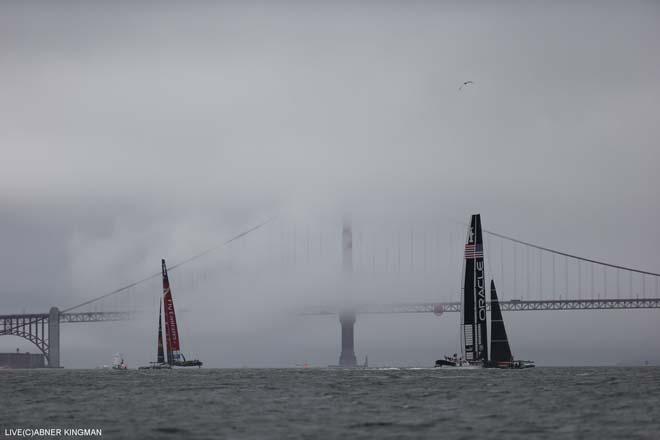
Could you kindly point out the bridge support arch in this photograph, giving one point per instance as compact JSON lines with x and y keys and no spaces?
{"x":42,"y":329}
{"x":30,"y":327}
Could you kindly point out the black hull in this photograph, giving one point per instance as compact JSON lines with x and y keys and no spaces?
{"x":194,"y":363}
{"x":156,"y":366}
{"x":515,"y":365}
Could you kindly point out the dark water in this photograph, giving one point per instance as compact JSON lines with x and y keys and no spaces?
{"x":566,"y":403}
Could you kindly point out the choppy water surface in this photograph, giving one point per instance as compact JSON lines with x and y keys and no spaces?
{"x":562,"y":403}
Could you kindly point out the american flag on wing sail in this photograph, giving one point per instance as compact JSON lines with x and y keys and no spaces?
{"x":474,"y":251}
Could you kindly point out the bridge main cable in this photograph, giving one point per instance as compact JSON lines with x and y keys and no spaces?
{"x":181,"y":263}
{"x":38,"y":317}
{"x":602,"y":263}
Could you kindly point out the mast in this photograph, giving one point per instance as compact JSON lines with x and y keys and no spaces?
{"x":475,"y":331}
{"x":161,"y":356}
{"x":171,"y":331}
{"x":500,"y":352}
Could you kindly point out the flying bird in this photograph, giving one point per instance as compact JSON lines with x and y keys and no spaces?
{"x":465,"y":84}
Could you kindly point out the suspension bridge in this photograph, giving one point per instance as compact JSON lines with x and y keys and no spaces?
{"x":531,"y":277}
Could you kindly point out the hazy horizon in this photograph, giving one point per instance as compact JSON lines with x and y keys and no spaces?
{"x":133,"y":132}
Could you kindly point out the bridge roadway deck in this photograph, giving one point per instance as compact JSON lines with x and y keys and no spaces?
{"x":19,"y":319}
{"x":509,"y":306}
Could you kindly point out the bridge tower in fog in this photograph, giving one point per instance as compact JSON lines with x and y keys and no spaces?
{"x":347,"y":315}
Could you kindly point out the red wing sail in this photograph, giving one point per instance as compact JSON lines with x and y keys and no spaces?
{"x":171,"y":331}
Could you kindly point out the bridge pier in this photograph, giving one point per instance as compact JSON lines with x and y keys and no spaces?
{"x":54,"y":338}
{"x":347,"y":322}
{"x":347,"y":316}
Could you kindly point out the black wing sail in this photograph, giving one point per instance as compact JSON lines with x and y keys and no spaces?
{"x":500,"y":352}
{"x":475,"y":330}
{"x":161,"y":354}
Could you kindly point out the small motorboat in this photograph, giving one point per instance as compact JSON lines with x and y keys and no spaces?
{"x":455,"y":362}
{"x":118,"y":362}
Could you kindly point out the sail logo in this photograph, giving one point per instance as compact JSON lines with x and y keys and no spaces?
{"x":170,"y":323}
{"x":481,"y":292}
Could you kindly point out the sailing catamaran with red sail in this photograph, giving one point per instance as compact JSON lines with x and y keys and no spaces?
{"x":174,"y":356}
{"x":474,"y":329}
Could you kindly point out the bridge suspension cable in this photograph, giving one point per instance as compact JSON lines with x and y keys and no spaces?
{"x":171,"y":268}
{"x":143,"y":280}
{"x":602,"y":263}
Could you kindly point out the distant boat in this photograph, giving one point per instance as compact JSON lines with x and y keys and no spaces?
{"x":473,"y":327}
{"x":118,"y":362}
{"x":174,"y":356}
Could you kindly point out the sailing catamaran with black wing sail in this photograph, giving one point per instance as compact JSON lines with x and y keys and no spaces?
{"x":174,"y":356}
{"x":473,"y":327}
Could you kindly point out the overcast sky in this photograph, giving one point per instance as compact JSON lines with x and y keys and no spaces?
{"x":135,"y":131}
